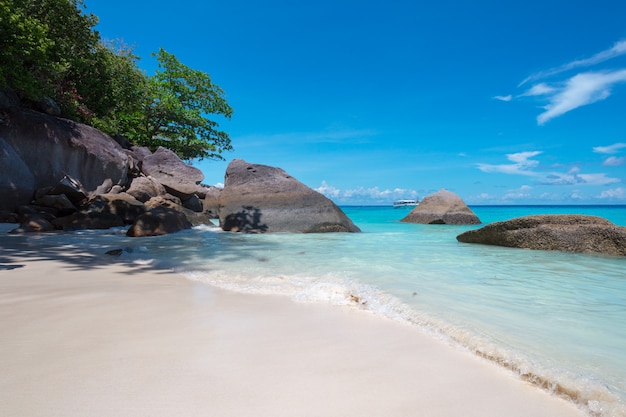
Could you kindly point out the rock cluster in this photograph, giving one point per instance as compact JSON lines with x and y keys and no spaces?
{"x":259,"y":198}
{"x":442,"y":207}
{"x":62,"y":175}
{"x":569,"y":233}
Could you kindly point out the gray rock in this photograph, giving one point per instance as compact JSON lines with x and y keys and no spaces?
{"x":442,"y":207}
{"x":59,"y":202}
{"x":144,"y":188}
{"x":193,"y":203}
{"x":259,"y":198}
{"x":103,"y":188}
{"x":52,"y":147}
{"x":159,"y":221}
{"x":71,"y":188}
{"x":49,"y":106}
{"x":173,"y":203}
{"x":88,"y":220}
{"x":169,"y":170}
{"x":17,"y":182}
{"x":122,"y":205}
{"x":34,"y":224}
{"x":210,"y":202}
{"x":569,"y":233}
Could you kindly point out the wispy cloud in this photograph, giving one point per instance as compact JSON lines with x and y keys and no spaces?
{"x":574,"y":177}
{"x":615,"y":148}
{"x":577,"y":90}
{"x":615,"y":193}
{"x":504,"y":98}
{"x":540,"y":89}
{"x":522,"y":164}
{"x":614,"y":161}
{"x":580,"y":90}
{"x":619,"y":48}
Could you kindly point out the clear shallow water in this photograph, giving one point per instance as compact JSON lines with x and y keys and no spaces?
{"x":556,"y":319}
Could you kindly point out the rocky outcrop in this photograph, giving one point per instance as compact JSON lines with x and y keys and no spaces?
{"x":178,"y":178}
{"x":62,"y":175}
{"x":442,"y":207}
{"x":17,"y":183}
{"x":569,"y":233}
{"x":52,"y":147}
{"x":260,"y":198}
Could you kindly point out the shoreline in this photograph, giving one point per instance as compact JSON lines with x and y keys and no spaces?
{"x":87,"y":335}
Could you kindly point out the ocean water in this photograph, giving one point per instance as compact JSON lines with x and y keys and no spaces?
{"x":555,"y":319}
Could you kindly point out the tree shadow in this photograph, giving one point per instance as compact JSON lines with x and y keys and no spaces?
{"x":248,"y":220}
{"x":90,"y":250}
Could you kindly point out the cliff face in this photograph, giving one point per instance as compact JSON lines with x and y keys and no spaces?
{"x":38,"y":150}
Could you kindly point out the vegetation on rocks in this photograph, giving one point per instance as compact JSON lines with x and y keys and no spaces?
{"x":50,"y":49}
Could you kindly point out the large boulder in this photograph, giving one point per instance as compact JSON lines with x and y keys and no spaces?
{"x":158,"y":221}
{"x":17,"y":183}
{"x":88,"y":220}
{"x":569,"y":233}
{"x":178,"y":178}
{"x":442,"y":207}
{"x":52,"y":147}
{"x":144,"y":188}
{"x":259,"y":198}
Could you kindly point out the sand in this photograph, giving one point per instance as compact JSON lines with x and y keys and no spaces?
{"x":83,"y":336}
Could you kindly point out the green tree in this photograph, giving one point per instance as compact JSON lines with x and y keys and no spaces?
{"x":45,"y":48}
{"x":175,"y":113}
{"x":50,"y":48}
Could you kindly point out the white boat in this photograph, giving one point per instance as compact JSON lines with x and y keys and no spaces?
{"x":405,"y":203}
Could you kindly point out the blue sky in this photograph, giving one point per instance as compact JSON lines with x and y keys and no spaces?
{"x":501,"y":102}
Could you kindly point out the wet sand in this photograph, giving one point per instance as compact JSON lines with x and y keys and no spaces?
{"x":85,"y":336}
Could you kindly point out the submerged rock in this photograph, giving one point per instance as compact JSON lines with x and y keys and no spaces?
{"x":569,"y":233}
{"x":259,"y":198}
{"x":442,"y":207}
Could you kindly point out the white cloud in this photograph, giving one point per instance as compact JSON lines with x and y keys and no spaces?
{"x":619,"y":48}
{"x":618,"y":193}
{"x":615,"y":148}
{"x":540,"y":89}
{"x":598,"y":179}
{"x":580,"y":90}
{"x":363,"y":194}
{"x":574,"y":177}
{"x":504,"y":98}
{"x":522,"y":164}
{"x":327,"y":190}
{"x":522,"y":192}
{"x":614,"y":161}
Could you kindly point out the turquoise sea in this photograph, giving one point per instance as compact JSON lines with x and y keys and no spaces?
{"x":556,"y":319}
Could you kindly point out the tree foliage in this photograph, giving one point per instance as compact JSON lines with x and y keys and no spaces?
{"x":50,"y":48}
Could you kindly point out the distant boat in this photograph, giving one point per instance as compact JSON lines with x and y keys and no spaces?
{"x":405,"y":203}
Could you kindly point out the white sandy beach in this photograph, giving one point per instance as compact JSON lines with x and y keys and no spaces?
{"x":81,"y":338}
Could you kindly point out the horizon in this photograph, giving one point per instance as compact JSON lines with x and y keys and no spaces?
{"x":369,"y":103}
